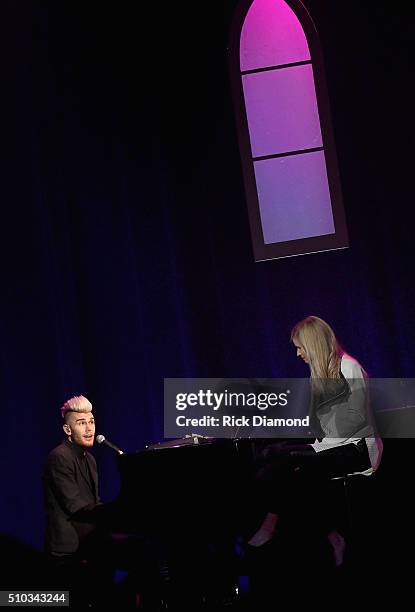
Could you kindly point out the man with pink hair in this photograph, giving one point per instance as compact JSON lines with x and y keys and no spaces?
{"x":71,"y":481}
{"x":79,"y":539}
{"x":74,"y":540}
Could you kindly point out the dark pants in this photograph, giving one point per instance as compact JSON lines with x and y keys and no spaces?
{"x":294,"y":481}
{"x":90,"y":573}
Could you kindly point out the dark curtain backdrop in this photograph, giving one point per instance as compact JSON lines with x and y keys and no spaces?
{"x":125,"y":244}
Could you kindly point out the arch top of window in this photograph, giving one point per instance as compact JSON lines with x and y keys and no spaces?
{"x":271,"y":35}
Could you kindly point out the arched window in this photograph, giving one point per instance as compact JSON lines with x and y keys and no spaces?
{"x":284,"y":129}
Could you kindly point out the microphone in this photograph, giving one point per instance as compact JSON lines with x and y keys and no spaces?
{"x":102,"y":440}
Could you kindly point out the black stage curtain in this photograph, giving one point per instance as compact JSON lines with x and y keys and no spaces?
{"x":125,"y":244}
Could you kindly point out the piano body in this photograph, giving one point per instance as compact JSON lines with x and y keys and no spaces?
{"x":189,"y":500}
{"x":192,"y":500}
{"x":188,"y":488}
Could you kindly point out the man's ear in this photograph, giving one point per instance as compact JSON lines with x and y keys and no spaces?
{"x":66,"y":429}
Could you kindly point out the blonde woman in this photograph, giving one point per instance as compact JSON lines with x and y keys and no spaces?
{"x":345,"y":439}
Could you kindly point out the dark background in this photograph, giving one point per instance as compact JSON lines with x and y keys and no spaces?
{"x":125,"y":244}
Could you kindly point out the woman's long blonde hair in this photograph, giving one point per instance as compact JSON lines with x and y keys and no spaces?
{"x":322,"y":349}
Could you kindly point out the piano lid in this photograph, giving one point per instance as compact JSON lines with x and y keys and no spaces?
{"x":188,"y":440}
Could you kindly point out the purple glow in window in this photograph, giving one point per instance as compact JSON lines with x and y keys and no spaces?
{"x":294,"y":198}
{"x":282,"y":110}
{"x":287,"y":146}
{"x":271,"y":36}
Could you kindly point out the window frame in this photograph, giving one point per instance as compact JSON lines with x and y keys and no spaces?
{"x":339,"y":239}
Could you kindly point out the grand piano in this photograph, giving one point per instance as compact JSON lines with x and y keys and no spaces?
{"x":190,"y":499}
{"x":194,"y":500}
{"x":188,"y":487}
